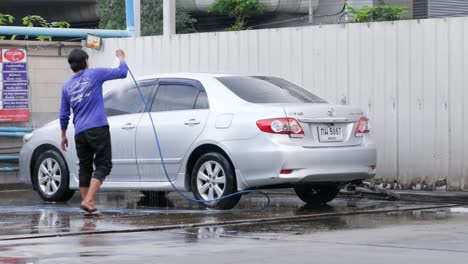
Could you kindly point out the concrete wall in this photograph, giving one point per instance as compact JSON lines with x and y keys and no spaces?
{"x":48,"y":71}
{"x":409,"y":76}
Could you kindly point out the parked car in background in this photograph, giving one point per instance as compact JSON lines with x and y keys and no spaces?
{"x":219,"y":134}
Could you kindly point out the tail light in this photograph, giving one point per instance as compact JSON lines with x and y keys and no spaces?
{"x":362,"y":127}
{"x":288,"y":126}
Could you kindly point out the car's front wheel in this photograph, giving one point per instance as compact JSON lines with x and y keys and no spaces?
{"x":214,"y":177}
{"x":316,"y":194}
{"x":51,"y":177}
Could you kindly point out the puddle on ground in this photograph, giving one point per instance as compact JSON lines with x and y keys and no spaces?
{"x":23,"y":213}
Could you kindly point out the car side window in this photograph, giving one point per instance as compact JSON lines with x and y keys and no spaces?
{"x":202,"y":101}
{"x":127,"y":100}
{"x":173,"y":97}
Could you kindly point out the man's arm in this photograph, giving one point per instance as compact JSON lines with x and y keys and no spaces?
{"x":106,"y":74}
{"x":64,"y":119}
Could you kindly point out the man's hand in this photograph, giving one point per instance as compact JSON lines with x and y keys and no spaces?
{"x":64,"y":143}
{"x":120,"y":54}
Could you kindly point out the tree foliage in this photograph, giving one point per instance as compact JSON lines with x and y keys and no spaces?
{"x":112,"y":15}
{"x":6,"y":18}
{"x":382,"y":12}
{"x":32,"y":21}
{"x":35,"y":20}
{"x":238,"y":9}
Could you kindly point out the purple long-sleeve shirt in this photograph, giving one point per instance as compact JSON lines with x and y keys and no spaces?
{"x":83,"y":94}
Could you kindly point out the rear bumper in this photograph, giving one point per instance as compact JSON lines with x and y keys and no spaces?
{"x":259,"y":161}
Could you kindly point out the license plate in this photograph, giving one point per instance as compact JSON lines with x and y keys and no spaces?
{"x":330,"y":134}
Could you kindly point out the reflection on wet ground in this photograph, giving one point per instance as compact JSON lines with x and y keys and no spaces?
{"x":23,"y":213}
{"x":414,"y":236}
{"x":437,"y":233}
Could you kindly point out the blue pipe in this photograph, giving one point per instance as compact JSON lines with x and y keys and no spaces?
{"x":8,"y":169}
{"x":12,"y":134}
{"x":15,"y":129}
{"x":75,"y":32}
{"x":9,"y":158}
{"x":63,"y":32}
{"x":129,"y":8}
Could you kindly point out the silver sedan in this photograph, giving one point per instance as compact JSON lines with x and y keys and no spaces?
{"x":219,"y":134}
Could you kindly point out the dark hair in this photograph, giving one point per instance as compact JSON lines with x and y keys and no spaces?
{"x":77,"y":60}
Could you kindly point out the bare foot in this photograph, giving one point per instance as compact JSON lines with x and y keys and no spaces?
{"x":88,"y":204}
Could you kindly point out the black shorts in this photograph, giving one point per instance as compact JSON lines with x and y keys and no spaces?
{"x":94,"y":146}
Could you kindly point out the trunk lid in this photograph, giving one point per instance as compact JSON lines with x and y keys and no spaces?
{"x":325,"y":125}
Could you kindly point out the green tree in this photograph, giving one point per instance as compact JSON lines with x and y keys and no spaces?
{"x":35,"y":20}
{"x":112,"y":15}
{"x":238,"y":9}
{"x":382,"y":12}
{"x":32,"y":21}
{"x":4,"y":19}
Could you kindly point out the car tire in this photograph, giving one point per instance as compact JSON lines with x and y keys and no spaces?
{"x":213,"y":177}
{"x":315,"y":194}
{"x":51,"y":177}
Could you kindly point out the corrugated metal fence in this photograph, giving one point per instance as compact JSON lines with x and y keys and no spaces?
{"x":408,"y":75}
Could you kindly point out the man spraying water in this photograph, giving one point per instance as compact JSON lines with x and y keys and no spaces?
{"x":83,"y":94}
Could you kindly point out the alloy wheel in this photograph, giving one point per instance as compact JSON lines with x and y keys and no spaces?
{"x":49,"y":176}
{"x":211,"y":180}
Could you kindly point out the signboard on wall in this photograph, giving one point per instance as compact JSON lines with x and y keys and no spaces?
{"x":14,"y":92}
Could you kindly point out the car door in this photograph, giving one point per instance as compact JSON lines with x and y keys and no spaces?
{"x":179,"y":110}
{"x":124,"y":110}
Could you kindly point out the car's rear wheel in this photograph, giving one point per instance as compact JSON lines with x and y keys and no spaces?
{"x":214,"y":177}
{"x":315,"y":194}
{"x":51,"y":177}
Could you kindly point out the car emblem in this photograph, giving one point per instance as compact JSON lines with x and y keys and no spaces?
{"x":331,"y":112}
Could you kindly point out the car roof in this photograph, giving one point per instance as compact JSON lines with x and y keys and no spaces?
{"x":197,"y":76}
{"x":187,"y":75}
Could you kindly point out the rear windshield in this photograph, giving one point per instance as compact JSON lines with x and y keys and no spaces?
{"x":268,"y":90}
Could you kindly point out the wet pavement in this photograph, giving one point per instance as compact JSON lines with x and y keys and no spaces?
{"x":135,"y":229}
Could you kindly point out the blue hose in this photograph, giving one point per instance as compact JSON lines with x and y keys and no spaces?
{"x":147,"y":109}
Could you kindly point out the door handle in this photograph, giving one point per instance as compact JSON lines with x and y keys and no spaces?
{"x":128,"y":126}
{"x":192,"y":122}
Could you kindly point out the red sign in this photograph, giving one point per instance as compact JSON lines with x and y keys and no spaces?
{"x":14,"y":104}
{"x":14,"y":55}
{"x":14,"y":115}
